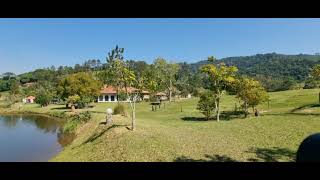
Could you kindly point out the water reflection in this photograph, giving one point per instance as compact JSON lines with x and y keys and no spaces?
{"x":42,"y":123}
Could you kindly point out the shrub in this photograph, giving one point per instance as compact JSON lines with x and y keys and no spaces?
{"x":70,"y":126}
{"x":58,"y":114}
{"x":82,"y":117}
{"x":120,"y":109}
{"x":206,"y":104}
{"x":43,"y":97}
{"x":83,"y":102}
{"x":73,"y":122}
{"x":122,"y":96}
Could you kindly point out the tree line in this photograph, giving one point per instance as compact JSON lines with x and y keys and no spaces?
{"x":211,"y":79}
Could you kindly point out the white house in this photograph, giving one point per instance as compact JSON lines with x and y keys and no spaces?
{"x":29,"y":99}
{"x":109,"y":94}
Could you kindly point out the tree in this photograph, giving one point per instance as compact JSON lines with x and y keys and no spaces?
{"x":73,"y":100}
{"x":251,"y":93}
{"x":15,"y":88}
{"x":206,"y":104}
{"x":8,"y":76}
{"x":183,"y":82}
{"x":122,"y":77}
{"x":165,"y":73}
{"x":220,"y":77}
{"x":315,"y":72}
{"x":43,"y":97}
{"x":112,"y":74}
{"x":82,"y":84}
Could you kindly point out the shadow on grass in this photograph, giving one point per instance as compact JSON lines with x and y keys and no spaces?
{"x":208,"y":158}
{"x":305,"y":107}
{"x":274,"y":154}
{"x":229,"y":115}
{"x":225,"y":115}
{"x":99,"y":133}
{"x":195,"y":119}
{"x":293,"y":114}
{"x":98,"y":112}
{"x":60,"y":108}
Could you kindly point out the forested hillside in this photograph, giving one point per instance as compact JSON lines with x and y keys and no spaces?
{"x":275,"y":71}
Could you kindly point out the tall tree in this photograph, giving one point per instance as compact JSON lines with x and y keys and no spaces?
{"x":220,"y":77}
{"x":119,"y":74}
{"x":251,"y":93}
{"x":81,"y":84}
{"x":166,"y":74}
{"x":8,"y":75}
{"x":315,"y":72}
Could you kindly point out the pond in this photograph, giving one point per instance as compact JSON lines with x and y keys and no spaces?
{"x":31,"y":138}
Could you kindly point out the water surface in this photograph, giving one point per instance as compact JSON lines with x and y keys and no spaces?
{"x":31,"y":138}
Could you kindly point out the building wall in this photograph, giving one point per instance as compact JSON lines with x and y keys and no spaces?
{"x":107,"y":98}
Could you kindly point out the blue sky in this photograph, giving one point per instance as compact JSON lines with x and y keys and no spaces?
{"x":27,"y":44}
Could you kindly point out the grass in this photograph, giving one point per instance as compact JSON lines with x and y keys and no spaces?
{"x":171,"y":135}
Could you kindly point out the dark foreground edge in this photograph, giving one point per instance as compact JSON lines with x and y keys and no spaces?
{"x":159,"y":170}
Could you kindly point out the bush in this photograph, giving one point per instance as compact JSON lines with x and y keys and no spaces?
{"x":70,"y":126}
{"x":122,"y":96}
{"x":311,"y":83}
{"x":120,"y":109}
{"x":58,"y":114}
{"x":43,"y":97}
{"x":83,"y":102}
{"x":206,"y":104}
{"x":74,"y":120}
{"x":82,"y":117}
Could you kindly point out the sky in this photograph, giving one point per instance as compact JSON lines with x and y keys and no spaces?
{"x":27,"y":44}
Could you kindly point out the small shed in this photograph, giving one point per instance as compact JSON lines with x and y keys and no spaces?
{"x":29,"y":99}
{"x":161,"y":96}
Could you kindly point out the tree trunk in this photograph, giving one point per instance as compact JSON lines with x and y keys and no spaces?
{"x":133,"y":123}
{"x":319,"y":97}
{"x":216,"y":105}
{"x":246,"y":109}
{"x":218,"y":110}
{"x":256,"y":113}
{"x":170,"y":91}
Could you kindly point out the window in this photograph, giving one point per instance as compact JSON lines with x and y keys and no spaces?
{"x":106,"y":98}
{"x":112,"y":98}
{"x":100,"y":98}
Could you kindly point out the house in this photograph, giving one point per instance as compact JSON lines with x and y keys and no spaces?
{"x":109,"y":94}
{"x":29,"y":99}
{"x":162,"y":96}
{"x":28,"y":84}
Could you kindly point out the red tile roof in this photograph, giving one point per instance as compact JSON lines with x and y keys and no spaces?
{"x":108,"y":90}
{"x":113,"y":90}
{"x":30,"y":97}
{"x":160,"y":94}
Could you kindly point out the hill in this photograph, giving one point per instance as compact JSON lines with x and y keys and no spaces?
{"x":275,"y":71}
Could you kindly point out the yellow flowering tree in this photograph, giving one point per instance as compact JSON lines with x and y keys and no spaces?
{"x":221,"y":77}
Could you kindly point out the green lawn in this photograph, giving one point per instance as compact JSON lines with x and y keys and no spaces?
{"x":172,"y":135}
